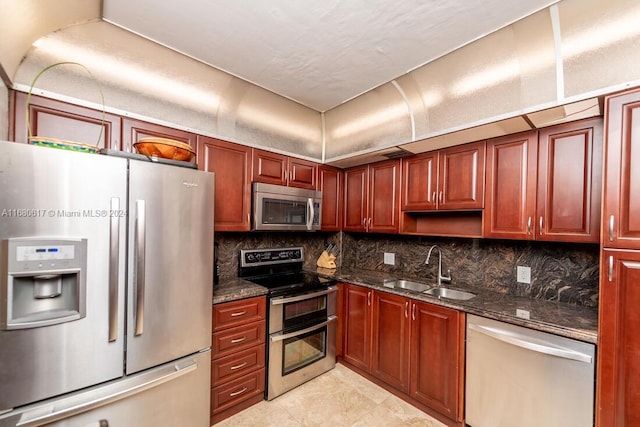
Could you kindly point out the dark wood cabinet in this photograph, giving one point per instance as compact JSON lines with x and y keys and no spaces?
{"x":356,"y":198}
{"x":60,"y":120}
{"x":357,"y":326}
{"x":419,"y":182}
{"x":512,"y":164}
{"x":412,"y":346}
{"x":273,"y":168}
{"x":237,"y":356}
{"x":390,"y":342}
{"x":437,"y":358}
{"x":570,"y":182}
{"x":232,"y":165}
{"x":133,"y":130}
{"x":448,"y":179}
{"x":330,"y":183}
{"x":618,"y":375}
{"x":618,"y":394}
{"x":546,"y":185}
{"x":371,"y":195}
{"x":621,"y":220}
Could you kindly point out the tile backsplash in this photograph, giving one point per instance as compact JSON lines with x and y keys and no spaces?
{"x":559,"y":271}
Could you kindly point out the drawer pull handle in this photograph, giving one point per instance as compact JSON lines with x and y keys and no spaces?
{"x":239,"y":313}
{"x":236,"y":393}
{"x":237,"y":340}
{"x":242,"y":365}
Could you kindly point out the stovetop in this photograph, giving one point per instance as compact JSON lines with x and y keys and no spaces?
{"x":279,"y":270}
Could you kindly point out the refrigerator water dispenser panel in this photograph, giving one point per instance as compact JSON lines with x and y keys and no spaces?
{"x":45,"y":282}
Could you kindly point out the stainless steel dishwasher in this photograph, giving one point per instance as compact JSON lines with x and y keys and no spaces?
{"x":520,"y":377}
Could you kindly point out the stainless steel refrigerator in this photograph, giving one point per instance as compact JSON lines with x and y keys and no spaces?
{"x":106,"y":268}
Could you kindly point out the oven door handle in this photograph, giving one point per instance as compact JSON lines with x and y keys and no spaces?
{"x":281,"y":337}
{"x":279,"y":301}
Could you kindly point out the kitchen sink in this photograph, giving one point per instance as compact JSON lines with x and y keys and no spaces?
{"x":407,"y":284}
{"x":449,"y":293}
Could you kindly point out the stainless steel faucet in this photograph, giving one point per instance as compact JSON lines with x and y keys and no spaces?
{"x":441,"y":278}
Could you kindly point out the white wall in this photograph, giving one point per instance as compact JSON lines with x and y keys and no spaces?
{"x":4,"y":111}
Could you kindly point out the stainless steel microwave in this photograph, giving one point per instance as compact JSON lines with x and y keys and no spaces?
{"x":276,"y":207}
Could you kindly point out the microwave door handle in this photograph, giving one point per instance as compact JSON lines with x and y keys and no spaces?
{"x":311,"y":213}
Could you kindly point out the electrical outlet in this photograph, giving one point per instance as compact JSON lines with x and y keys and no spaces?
{"x":390,"y":258}
{"x":524,"y":274}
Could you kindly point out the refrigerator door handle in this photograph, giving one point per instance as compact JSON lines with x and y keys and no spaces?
{"x":523,"y":342}
{"x":139,"y":274}
{"x":114,"y":262}
{"x":84,"y":402}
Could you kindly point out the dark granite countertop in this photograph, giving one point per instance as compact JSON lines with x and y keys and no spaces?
{"x":562,"y":319}
{"x":235,"y":289}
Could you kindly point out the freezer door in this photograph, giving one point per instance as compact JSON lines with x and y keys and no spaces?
{"x":170,"y":263}
{"x":62,"y":240}
{"x":174,"y":394}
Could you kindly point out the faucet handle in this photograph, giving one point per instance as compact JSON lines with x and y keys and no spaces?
{"x":447,"y":278}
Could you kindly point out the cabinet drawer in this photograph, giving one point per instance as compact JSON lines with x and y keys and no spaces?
{"x":236,"y":391}
{"x":232,"y":340}
{"x":238,"y":313}
{"x":237,"y":364}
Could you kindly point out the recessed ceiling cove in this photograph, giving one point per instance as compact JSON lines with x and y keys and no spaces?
{"x":317,"y":53}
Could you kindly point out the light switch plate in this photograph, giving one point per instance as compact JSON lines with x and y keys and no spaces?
{"x":390,"y":258}
{"x":524,"y":274}
{"x":523,"y":314}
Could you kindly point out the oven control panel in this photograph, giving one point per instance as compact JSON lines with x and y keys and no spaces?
{"x":257,"y":257}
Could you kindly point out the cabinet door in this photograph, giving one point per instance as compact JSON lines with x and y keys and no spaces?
{"x":437,"y":358}
{"x":133,"y":130}
{"x":268,"y":167}
{"x":511,"y":186}
{"x":621,"y":222}
{"x":570,"y":182}
{"x":60,"y":120}
{"x":357,"y":326}
{"x":390,"y":345}
{"x":419,"y":182}
{"x":302,"y":173}
{"x":384,"y":181}
{"x":461,"y":177}
{"x":330,"y":183}
{"x":231,"y":163}
{"x":618,"y":394}
{"x":355,"y":198}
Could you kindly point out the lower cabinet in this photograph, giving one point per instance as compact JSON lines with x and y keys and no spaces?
{"x":413,"y":347}
{"x":238,"y":356}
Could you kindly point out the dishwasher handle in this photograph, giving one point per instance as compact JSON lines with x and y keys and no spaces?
{"x":529,"y":345}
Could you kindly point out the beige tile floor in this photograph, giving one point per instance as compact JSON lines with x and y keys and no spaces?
{"x":338,"y":398}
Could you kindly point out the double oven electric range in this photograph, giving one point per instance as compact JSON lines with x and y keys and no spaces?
{"x":302,"y":316}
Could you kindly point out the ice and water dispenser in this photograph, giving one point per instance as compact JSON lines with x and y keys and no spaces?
{"x":45,"y":282}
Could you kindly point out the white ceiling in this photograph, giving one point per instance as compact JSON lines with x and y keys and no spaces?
{"x":318,"y":53}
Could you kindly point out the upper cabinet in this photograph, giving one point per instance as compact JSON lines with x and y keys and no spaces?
{"x":330,"y":183}
{"x":546,"y":185}
{"x":61,"y":120}
{"x":371,"y":197}
{"x":133,"y":130}
{"x":621,"y":219}
{"x":273,"y":168}
{"x":449,"y":179}
{"x":232,"y":165}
